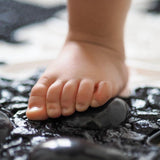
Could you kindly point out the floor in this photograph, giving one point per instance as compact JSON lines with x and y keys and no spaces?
{"x":141,"y":37}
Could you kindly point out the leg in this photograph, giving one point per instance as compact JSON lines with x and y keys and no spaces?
{"x":90,"y":68}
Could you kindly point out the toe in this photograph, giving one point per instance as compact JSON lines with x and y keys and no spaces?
{"x":36,"y":109}
{"x":102,"y":93}
{"x":53,"y":99}
{"x":68,"y":97}
{"x":84,"y":94}
{"x":37,"y":101}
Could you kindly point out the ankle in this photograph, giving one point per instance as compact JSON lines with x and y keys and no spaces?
{"x":114,"y":46}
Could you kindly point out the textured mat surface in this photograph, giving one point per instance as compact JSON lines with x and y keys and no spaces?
{"x":130,"y":137}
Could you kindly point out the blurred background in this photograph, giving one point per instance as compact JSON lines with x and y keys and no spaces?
{"x":32,"y":33}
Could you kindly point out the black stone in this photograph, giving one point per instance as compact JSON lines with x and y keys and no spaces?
{"x":74,"y":149}
{"x":154,"y":100}
{"x":4,"y":83}
{"x":5,"y":126}
{"x":138,"y":103}
{"x":154,"y":139}
{"x":133,"y":136}
{"x":112,"y":114}
{"x":145,"y":126}
{"x":147,"y":114}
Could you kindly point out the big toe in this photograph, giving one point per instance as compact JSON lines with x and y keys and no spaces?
{"x":36,"y":108}
{"x":102,"y":94}
{"x":37,"y":102}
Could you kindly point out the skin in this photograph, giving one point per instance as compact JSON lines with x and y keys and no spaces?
{"x":90,"y":68}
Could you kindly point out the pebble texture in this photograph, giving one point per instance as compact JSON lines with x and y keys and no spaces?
{"x":129,"y":137}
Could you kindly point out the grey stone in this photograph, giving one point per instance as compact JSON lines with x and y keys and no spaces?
{"x":154,"y":139}
{"x":74,"y":149}
{"x":111,"y":114}
{"x":5,"y":126}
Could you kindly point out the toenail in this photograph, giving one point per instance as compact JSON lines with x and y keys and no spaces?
{"x":80,"y":106}
{"x":52,"y":110}
{"x":32,"y":109}
{"x":94,"y":103}
{"x":65,"y":110}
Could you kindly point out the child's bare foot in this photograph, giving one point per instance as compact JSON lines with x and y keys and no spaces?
{"x":83,"y":75}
